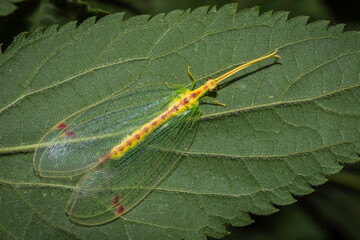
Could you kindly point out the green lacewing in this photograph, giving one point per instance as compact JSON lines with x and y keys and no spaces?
{"x":123,"y":146}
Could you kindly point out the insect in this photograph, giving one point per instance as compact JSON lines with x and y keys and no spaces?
{"x":123,"y":147}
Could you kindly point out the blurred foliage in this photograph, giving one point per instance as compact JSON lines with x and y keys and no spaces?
{"x":8,"y":6}
{"x":333,"y":211}
{"x":318,"y":9}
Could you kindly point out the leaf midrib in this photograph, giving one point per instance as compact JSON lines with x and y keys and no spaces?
{"x":31,"y":147}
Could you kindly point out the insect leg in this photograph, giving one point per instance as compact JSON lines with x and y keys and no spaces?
{"x":212,"y":99}
{"x":173,"y":87}
{"x":192,"y":77}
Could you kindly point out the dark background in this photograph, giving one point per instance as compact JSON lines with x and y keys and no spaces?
{"x":33,"y":14}
{"x":333,"y":210}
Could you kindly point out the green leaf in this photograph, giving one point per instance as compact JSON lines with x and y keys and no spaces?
{"x":8,"y":6}
{"x":286,"y":125}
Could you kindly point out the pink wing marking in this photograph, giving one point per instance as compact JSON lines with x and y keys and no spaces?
{"x":62,"y":126}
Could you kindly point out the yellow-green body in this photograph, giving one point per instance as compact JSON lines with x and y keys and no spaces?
{"x":185,"y":101}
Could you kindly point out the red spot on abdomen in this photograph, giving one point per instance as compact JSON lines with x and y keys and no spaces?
{"x":62,"y":126}
{"x":116,"y":199}
{"x":185,"y":101}
{"x":70,"y":133}
{"x":120,"y":209}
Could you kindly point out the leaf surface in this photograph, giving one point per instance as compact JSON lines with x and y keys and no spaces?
{"x":286,"y":125}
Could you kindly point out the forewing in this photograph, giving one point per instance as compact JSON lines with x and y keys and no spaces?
{"x":115,"y":187}
{"x":78,"y":142}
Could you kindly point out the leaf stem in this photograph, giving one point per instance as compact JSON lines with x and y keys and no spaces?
{"x":22,"y":148}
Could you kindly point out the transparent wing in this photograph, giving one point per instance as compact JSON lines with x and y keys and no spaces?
{"x":115,"y":187}
{"x":78,"y":142}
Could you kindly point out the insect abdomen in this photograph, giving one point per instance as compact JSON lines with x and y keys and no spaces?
{"x":184,"y":102}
